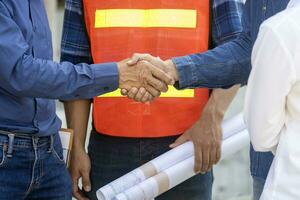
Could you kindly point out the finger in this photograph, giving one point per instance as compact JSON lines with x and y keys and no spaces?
{"x":212,"y":158}
{"x":147,"y":97}
{"x":153,"y":60}
{"x":75,"y":188}
{"x":132,"y":93}
{"x":154,"y":92}
{"x":86,"y":182}
{"x":140,"y":94}
{"x":198,"y":159}
{"x":76,"y":191}
{"x":134,"y":59}
{"x":161,"y":75}
{"x":182,"y":139}
{"x":218,"y":153}
{"x":124,"y":92}
{"x":206,"y":159}
{"x":157,"y":84}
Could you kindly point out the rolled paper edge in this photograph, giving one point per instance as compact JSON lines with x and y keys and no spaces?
{"x":163,"y":182}
{"x":148,"y":169}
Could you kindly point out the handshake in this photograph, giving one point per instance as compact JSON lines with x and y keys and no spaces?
{"x":143,"y":77}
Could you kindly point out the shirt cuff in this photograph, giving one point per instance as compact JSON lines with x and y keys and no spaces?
{"x":186,"y":71}
{"x":106,"y":77}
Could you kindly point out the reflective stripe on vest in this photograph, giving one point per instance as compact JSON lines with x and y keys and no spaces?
{"x":175,"y":18}
{"x":163,"y":28}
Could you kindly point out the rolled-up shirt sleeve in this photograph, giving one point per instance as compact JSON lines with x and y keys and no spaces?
{"x":21,"y":74}
{"x":270,"y":82}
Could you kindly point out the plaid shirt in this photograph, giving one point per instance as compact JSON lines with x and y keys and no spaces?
{"x":226,"y":25}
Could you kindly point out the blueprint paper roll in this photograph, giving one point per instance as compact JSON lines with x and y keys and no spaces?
{"x":163,"y":162}
{"x":171,"y":177}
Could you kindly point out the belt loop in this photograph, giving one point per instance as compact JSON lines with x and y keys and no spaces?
{"x":11,"y":138}
{"x":51,"y":144}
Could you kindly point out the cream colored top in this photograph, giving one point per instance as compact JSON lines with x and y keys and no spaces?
{"x":272,"y":108}
{"x":273,"y":93}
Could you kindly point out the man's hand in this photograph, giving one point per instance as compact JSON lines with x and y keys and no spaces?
{"x":143,"y":74}
{"x":80,"y":167}
{"x":206,"y":135}
{"x":167,"y":66}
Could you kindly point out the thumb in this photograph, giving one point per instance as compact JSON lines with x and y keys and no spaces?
{"x":86,"y":182}
{"x":134,"y":59}
{"x":182,"y":139}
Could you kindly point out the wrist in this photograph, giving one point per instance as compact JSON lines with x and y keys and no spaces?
{"x":214,"y":113}
{"x":172,"y":69}
{"x":78,"y":147}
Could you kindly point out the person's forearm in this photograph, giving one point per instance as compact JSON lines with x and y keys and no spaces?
{"x":77,"y":115}
{"x":24,"y":75}
{"x":219,"y":102}
{"x":222,"y":67}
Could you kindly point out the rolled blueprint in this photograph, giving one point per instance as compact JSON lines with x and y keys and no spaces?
{"x":163,"y":162}
{"x":169,"y":178}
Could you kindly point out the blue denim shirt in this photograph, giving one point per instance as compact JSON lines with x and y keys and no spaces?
{"x":28,"y":77}
{"x":229,"y":63}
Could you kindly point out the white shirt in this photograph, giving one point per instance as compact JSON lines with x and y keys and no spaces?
{"x":272,"y":107}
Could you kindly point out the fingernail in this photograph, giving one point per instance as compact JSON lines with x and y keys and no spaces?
{"x":87,"y":188}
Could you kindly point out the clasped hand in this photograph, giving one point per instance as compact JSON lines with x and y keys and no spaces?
{"x":143,"y":77}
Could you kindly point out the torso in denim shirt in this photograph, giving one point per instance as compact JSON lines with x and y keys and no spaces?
{"x":25,"y":114}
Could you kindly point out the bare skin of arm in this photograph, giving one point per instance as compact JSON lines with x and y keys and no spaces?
{"x":77,"y":115}
{"x":206,"y":133}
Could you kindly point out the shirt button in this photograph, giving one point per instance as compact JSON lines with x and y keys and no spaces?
{"x":264,"y":8}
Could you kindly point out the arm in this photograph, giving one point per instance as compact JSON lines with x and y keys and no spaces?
{"x":75,"y":48}
{"x":206,"y":133}
{"x":23,"y":75}
{"x":269,"y":84}
{"x":222,"y":67}
{"x":227,"y":64}
{"x":80,"y":164}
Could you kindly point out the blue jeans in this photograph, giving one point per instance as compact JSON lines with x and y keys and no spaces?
{"x":32,"y":168}
{"x":258,"y":187}
{"x":260,"y":166}
{"x":112,"y":157}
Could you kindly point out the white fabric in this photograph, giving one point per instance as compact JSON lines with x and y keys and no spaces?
{"x":293,"y":3}
{"x":272,"y":108}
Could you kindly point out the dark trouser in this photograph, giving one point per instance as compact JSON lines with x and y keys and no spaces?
{"x":113,"y":157}
{"x":260,"y":166}
{"x":33,"y":168}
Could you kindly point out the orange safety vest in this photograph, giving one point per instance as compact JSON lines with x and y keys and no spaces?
{"x":164,"y":28}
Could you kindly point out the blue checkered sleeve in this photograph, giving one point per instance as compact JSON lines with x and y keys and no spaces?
{"x":75,"y":46}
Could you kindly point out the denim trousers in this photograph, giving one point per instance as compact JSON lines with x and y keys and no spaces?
{"x":32,"y":168}
{"x":112,"y":157}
